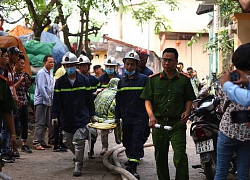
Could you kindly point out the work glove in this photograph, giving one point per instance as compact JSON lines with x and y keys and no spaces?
{"x":54,"y":121}
{"x":92,"y":119}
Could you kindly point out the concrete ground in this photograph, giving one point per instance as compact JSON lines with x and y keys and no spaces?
{"x":49,"y":165}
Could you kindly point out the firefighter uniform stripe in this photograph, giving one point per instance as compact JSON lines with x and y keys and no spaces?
{"x":134,"y":160}
{"x":72,"y":89}
{"x":130,"y":89}
{"x":93,"y":87}
{"x":104,"y":85}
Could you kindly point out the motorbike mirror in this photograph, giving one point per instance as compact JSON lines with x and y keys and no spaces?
{"x":208,"y":105}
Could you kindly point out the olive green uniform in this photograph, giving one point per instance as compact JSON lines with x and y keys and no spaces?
{"x":7,"y":103}
{"x":168,"y":98}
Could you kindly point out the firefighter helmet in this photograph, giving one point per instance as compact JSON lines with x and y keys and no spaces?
{"x":131,"y":55}
{"x":143,"y":53}
{"x":110,"y":61}
{"x":83,"y":60}
{"x":69,"y":58}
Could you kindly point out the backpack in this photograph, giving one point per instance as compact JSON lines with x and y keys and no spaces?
{"x":50,"y":30}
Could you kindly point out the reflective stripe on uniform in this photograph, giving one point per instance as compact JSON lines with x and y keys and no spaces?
{"x":93,"y":87}
{"x":72,"y":89}
{"x":134,"y":160}
{"x":130,"y":88}
{"x":104,"y":85}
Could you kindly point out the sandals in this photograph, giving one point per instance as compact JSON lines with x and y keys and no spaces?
{"x":46,"y":146}
{"x":38,"y":147}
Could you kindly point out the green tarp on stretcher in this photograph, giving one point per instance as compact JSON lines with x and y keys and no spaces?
{"x":105,"y":102}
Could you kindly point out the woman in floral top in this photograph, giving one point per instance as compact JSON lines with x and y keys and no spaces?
{"x":234,"y":137}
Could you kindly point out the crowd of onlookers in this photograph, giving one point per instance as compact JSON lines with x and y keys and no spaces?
{"x":12,"y":64}
{"x":192,"y":74}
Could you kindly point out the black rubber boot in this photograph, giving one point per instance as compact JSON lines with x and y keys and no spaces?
{"x":132,"y":169}
{"x":59,"y":146}
{"x":56,"y":140}
{"x":78,"y":169}
{"x":56,"y":135}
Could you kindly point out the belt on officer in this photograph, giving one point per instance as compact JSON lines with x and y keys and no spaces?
{"x":167,"y":118}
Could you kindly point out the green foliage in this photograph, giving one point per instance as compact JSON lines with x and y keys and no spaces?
{"x":10,"y":6}
{"x":36,"y":9}
{"x":196,"y":37}
{"x":145,"y":12}
{"x":173,"y":4}
{"x":161,"y":23}
{"x":41,"y":11}
{"x":227,"y":7}
{"x":221,"y":44}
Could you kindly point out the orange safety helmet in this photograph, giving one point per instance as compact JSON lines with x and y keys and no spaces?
{"x":143,"y":53}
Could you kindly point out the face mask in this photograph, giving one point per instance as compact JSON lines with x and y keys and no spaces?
{"x":129,"y":73}
{"x":70,"y":70}
{"x":110,"y":70}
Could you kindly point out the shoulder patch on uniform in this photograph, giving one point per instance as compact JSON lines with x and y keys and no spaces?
{"x":152,"y":75}
{"x":185,"y":74}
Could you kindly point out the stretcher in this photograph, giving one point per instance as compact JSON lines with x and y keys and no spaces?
{"x":102,"y":126}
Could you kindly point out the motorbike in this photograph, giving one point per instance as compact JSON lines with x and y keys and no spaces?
{"x":204,"y":131}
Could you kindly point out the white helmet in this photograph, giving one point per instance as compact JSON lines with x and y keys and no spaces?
{"x":69,"y":58}
{"x":110,"y":61}
{"x":83,"y":60}
{"x":131,"y":55}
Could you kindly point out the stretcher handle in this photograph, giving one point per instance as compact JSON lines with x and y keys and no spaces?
{"x":163,"y":127}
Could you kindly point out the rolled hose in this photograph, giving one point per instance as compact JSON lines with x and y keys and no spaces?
{"x":117,"y":167}
{"x":5,"y":176}
{"x":116,"y":160}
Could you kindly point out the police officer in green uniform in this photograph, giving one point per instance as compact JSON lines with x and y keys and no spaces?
{"x":7,"y":104}
{"x":168,"y":98}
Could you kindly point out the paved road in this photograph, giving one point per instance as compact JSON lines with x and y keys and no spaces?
{"x":49,"y":165}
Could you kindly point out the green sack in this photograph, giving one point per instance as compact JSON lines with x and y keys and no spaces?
{"x":37,"y":61}
{"x":32,"y":88}
{"x":36,"y":47}
{"x":30,"y":56}
{"x":31,"y":99}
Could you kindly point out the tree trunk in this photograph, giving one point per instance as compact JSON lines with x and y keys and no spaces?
{"x":88,"y":52}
